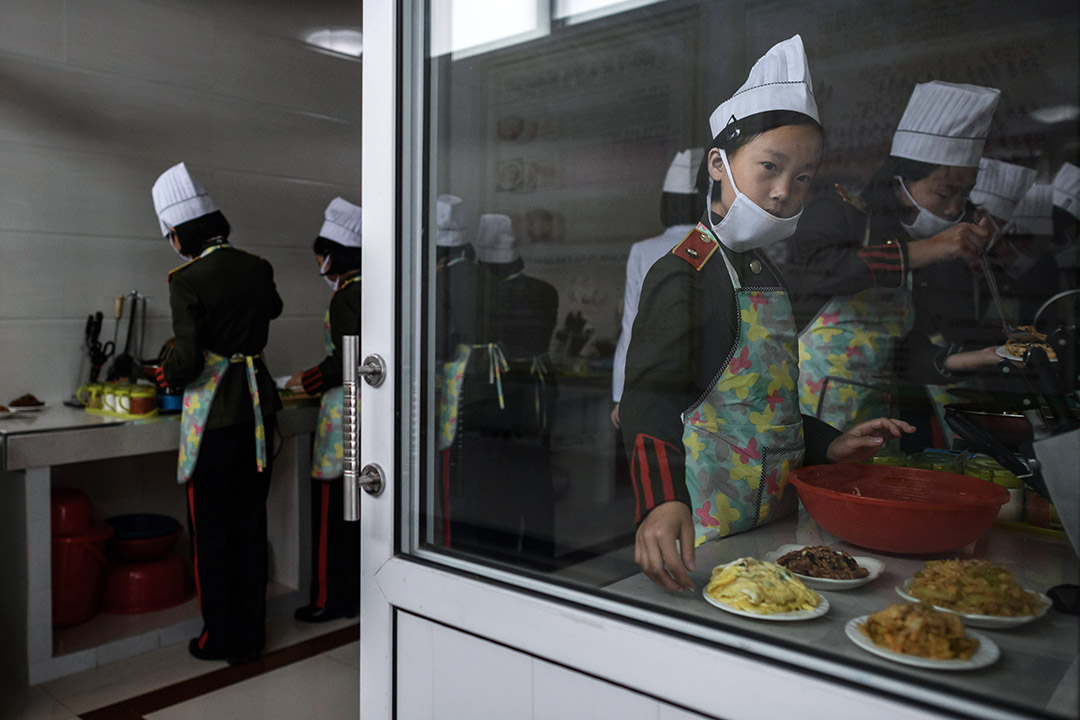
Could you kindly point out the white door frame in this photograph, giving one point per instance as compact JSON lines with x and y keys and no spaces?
{"x":612,"y":643}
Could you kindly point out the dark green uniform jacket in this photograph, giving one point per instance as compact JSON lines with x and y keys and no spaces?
{"x":224,"y":303}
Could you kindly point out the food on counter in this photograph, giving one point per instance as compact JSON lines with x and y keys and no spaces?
{"x":919,"y":629}
{"x":760,"y":587}
{"x":976,"y":587}
{"x":821,"y":561}
{"x":26,"y":400}
{"x":1017,"y":348}
{"x":4,"y":409}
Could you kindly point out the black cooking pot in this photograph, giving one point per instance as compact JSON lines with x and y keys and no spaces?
{"x":1009,"y":427}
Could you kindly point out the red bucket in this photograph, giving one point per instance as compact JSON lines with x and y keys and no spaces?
{"x":78,"y":569}
{"x":140,"y":587}
{"x":70,"y":512}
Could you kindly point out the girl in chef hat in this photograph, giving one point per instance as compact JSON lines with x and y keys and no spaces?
{"x":851,"y":259}
{"x":709,"y":413}
{"x":335,"y":589}
{"x":222,"y":303}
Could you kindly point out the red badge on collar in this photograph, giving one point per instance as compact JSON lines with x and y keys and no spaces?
{"x":695,"y":248}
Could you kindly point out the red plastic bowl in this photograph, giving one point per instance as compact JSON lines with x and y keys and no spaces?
{"x":899,"y":510}
{"x":140,"y":549}
{"x":146,"y":586}
{"x":70,"y":512}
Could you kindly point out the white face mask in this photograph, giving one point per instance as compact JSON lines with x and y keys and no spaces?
{"x":179,"y":254}
{"x":926,"y":224}
{"x":322,"y":271}
{"x":746,"y":226}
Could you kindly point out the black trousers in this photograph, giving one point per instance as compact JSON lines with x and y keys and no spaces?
{"x":335,"y":549}
{"x":227,"y":522}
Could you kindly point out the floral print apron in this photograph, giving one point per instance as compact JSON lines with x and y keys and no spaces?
{"x":198,"y":398}
{"x":745,"y":436}
{"x":448,"y":386}
{"x":328,"y":455}
{"x":846,"y":353}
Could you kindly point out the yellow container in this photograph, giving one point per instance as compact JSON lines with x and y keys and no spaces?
{"x":987,"y":468}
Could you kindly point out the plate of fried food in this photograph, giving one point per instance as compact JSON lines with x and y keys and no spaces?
{"x":824,"y":568}
{"x":980,"y":593}
{"x":25,"y":403}
{"x":762,"y":590}
{"x":916,"y":634}
{"x":1015,"y":349}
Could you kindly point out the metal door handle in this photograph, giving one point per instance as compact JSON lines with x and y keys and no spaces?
{"x":371,"y":479}
{"x":373,"y":370}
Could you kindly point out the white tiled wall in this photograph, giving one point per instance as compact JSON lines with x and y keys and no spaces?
{"x":97,"y":97}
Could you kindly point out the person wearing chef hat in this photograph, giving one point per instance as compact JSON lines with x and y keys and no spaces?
{"x":335,"y":544}
{"x":954,"y":308}
{"x":455,"y":333}
{"x":851,"y":259}
{"x":1067,"y":224}
{"x":710,"y":414}
{"x":502,"y":500}
{"x":222,"y":301}
{"x":680,"y":208}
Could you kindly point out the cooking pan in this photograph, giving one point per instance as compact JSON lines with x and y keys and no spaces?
{"x":1011,"y":428}
{"x":982,"y":441}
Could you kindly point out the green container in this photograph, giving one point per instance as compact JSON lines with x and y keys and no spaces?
{"x":940,"y":460}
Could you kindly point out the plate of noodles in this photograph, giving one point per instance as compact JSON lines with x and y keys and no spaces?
{"x":980,"y":593}
{"x":763,"y":591}
{"x":936,"y":642}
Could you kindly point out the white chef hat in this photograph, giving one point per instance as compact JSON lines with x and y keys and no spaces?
{"x":495,"y":241}
{"x":682,"y":173}
{"x":343,"y":223}
{"x":1067,"y":189}
{"x":450,"y":220}
{"x":946,"y":123}
{"x":780,"y":80}
{"x":1034,"y":214}
{"x":1000,"y":185}
{"x":178,"y":198}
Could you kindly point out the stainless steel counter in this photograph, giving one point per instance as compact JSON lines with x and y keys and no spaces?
{"x":1036,"y":673}
{"x":58,"y":435}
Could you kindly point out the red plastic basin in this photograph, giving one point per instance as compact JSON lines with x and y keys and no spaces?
{"x":147,"y":586}
{"x":899,"y":510}
{"x":143,"y":549}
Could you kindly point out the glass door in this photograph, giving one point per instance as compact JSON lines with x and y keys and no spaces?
{"x":503,"y":162}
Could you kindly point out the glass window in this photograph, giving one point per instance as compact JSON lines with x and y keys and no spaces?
{"x":603,"y":353}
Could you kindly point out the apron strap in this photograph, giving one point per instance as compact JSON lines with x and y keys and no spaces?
{"x":256,"y":406}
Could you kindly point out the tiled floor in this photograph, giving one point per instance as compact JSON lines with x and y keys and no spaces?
{"x":300,"y":676}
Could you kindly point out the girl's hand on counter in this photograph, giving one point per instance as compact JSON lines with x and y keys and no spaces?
{"x":655,"y":550}
{"x":296,"y":381}
{"x":863,"y":441}
{"x":962,"y":240}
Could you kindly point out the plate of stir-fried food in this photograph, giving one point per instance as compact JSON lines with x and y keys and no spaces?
{"x":1015,"y":349}
{"x":980,"y":593}
{"x":917,"y":634}
{"x":824,"y":568}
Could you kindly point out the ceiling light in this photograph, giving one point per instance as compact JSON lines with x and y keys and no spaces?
{"x":343,"y":41}
{"x":1055,"y":114}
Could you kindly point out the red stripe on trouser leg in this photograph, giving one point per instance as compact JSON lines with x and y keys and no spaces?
{"x":446,"y":497}
{"x":324,"y":517}
{"x":195,"y":555}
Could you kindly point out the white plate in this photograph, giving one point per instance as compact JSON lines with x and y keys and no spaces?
{"x":986,"y":654}
{"x":821,"y":609}
{"x":996,"y":622}
{"x":32,"y":408}
{"x":875,"y":566}
{"x":1002,"y":353}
